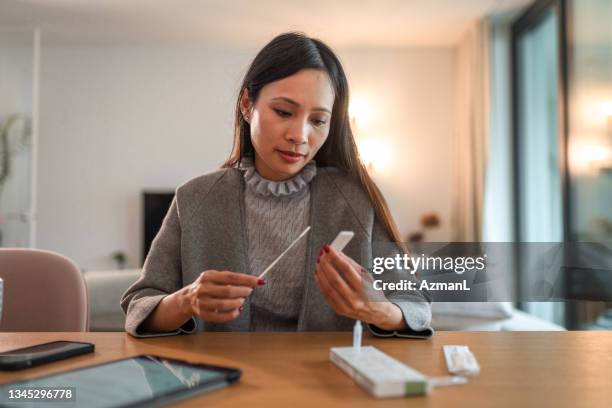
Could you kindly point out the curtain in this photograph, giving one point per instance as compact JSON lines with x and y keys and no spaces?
{"x":471,"y":133}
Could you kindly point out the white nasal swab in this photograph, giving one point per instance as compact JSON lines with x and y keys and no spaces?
{"x":445,"y":381}
{"x":284,"y":252}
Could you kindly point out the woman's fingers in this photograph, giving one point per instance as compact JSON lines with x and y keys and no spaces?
{"x":336,"y":289}
{"x":219,"y":316}
{"x":224,"y":291}
{"x":360,"y":269}
{"x":349,"y":272}
{"x":230,"y":278}
{"x":211,"y":303}
{"x":218,"y":310}
{"x":218,"y":296}
{"x":334,"y":300}
{"x":332,"y":278}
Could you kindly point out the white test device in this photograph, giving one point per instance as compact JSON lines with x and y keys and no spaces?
{"x":460,"y":360}
{"x":342,"y":239}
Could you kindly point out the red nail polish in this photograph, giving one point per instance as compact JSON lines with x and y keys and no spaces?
{"x":326,"y":248}
{"x":240,"y":308}
{"x":261,"y":282}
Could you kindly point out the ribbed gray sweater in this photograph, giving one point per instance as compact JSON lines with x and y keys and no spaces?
{"x":276,"y":213}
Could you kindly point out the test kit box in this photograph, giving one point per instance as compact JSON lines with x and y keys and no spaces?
{"x":380,"y":374}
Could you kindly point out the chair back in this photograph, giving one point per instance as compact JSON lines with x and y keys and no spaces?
{"x":43,"y":291}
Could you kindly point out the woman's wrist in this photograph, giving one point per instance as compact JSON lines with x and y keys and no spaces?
{"x":183,"y":298}
{"x":172,"y":312}
{"x":389,"y":317}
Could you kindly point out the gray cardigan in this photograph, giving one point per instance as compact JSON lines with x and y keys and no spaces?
{"x":205,"y":229}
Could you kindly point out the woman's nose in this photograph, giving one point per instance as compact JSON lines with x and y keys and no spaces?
{"x":298,"y":134}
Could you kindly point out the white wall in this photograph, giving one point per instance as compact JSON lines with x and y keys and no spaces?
{"x":411,"y":92}
{"x":114,"y":121}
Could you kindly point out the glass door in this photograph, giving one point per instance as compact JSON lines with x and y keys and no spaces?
{"x":539,"y":139}
{"x":590,"y":153}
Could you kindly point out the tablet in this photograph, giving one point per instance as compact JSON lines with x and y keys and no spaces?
{"x":140,"y":381}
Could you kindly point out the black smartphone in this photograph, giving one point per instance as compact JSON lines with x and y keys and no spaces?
{"x":42,"y":353}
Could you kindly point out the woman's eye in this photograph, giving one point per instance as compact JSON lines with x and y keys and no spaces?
{"x":282,"y":113}
{"x":319,"y":122}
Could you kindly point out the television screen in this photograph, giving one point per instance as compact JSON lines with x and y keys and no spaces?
{"x":156,"y":205}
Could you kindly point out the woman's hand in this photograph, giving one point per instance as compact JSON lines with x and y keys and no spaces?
{"x":343,"y":283}
{"x":217,"y":296}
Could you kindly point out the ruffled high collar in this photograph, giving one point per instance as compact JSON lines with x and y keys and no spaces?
{"x":265,"y":187}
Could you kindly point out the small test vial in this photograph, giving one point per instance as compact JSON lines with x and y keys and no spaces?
{"x":357,"y":334}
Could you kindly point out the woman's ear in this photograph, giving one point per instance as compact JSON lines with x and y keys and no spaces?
{"x":245,"y":106}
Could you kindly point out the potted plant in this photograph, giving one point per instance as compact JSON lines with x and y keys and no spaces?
{"x":120,"y":259}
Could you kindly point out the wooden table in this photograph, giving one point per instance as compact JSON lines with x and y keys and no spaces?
{"x":518,"y":369}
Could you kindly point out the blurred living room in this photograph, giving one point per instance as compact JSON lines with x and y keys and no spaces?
{"x":109,"y":101}
{"x":483,"y":121}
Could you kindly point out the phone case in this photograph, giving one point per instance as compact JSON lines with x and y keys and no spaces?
{"x":19,"y":364}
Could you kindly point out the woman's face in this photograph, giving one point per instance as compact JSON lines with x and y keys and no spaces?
{"x":289,"y":122}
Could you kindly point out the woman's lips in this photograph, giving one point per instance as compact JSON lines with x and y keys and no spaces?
{"x":290,"y":157}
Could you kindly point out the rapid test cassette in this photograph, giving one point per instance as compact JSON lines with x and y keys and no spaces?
{"x":378,"y":373}
{"x":460,"y":360}
{"x":342,"y":240}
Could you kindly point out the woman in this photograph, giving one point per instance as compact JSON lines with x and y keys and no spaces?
{"x":294,"y":164}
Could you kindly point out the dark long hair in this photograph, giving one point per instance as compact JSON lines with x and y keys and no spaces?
{"x":285,"y":55}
